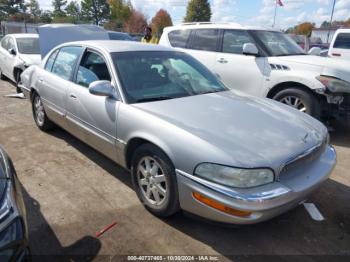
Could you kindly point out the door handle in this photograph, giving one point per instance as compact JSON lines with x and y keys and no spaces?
{"x":222,"y":61}
{"x":73,"y":96}
{"x":40,"y":80}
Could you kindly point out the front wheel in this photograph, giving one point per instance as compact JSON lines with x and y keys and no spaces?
{"x":301,"y":100}
{"x":39,"y":114}
{"x":154,"y":181}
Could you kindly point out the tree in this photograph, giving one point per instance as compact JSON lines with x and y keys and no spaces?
{"x":136,"y":23}
{"x":58,"y":6}
{"x":94,"y":10}
{"x":11,"y":7}
{"x":46,"y":17}
{"x":347,"y":22}
{"x":198,"y":11}
{"x":161,"y":20}
{"x":73,"y":11}
{"x":325,"y":24}
{"x":120,"y":12}
{"x":33,"y":8}
{"x":304,"y":28}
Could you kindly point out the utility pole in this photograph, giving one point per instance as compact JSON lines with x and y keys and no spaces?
{"x":274,"y":17}
{"x":330,"y":24}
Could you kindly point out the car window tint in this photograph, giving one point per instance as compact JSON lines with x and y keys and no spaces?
{"x":65,"y":61}
{"x":179,"y":38}
{"x":51,"y":60}
{"x":342,"y":41}
{"x":205,"y":39}
{"x":234,"y":40}
{"x":92,"y":68}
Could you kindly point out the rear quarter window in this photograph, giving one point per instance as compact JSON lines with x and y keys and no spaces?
{"x":179,"y":38}
{"x":205,"y":39}
{"x":342,"y":41}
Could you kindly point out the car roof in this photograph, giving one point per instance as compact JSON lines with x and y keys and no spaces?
{"x":209,"y":25}
{"x":343,"y":30}
{"x":24,"y":35}
{"x":112,"y":46}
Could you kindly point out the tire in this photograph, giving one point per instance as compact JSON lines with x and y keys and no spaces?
{"x":18,"y":80}
{"x":161,"y":181}
{"x":301,"y":100}
{"x":2,"y":76}
{"x":39,"y":114}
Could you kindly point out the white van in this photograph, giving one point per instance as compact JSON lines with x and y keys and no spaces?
{"x":267,"y":63}
{"x":340,"y":46}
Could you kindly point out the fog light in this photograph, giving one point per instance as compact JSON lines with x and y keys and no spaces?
{"x":218,"y":206}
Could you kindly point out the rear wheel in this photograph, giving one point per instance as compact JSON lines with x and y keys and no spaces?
{"x":40,"y":117}
{"x":154,"y":180}
{"x":301,"y":100}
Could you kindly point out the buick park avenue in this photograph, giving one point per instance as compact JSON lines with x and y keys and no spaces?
{"x":189,"y":142}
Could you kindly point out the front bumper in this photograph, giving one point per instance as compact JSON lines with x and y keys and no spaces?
{"x":263,"y":202}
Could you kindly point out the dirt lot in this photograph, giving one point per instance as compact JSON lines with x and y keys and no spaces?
{"x":72,"y":192}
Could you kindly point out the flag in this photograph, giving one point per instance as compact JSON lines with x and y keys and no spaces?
{"x":279,"y":2}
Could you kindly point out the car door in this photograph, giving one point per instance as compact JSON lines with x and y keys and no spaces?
{"x":203,"y":45}
{"x":341,"y":46}
{"x":54,"y":80}
{"x":93,"y":118}
{"x":236,"y":70}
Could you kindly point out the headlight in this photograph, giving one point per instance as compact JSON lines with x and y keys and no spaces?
{"x":234,"y":177}
{"x":335,"y":85}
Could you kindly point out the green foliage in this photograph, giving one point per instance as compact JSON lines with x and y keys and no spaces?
{"x":198,"y":11}
{"x":58,"y":7}
{"x":94,"y":10}
{"x":73,"y":12}
{"x":10,"y":7}
{"x":33,"y":8}
{"x":120,"y":12}
{"x":46,"y":17}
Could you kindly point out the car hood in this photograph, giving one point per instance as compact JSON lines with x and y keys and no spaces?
{"x":330,"y":67}
{"x":31,"y":59}
{"x":251,"y":131}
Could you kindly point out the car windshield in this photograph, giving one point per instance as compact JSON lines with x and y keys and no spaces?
{"x":160,"y":75}
{"x":278,"y":44}
{"x":28,"y":45}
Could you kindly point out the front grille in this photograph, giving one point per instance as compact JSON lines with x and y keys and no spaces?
{"x":303,"y":159}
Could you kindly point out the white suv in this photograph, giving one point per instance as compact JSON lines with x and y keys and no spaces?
{"x":340,"y":46}
{"x":267,"y":63}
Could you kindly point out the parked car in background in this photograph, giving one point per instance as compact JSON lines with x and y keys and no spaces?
{"x":302,"y":40}
{"x":267,"y":63}
{"x":340,"y":45}
{"x":120,"y":36}
{"x":190,"y":142}
{"x":18,"y":52}
{"x":13,"y":225}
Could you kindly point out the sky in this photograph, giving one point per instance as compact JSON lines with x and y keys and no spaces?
{"x":249,"y":12}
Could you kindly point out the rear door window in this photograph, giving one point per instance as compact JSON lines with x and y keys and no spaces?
{"x":342,"y":41}
{"x":66,"y":60}
{"x":205,"y":39}
{"x":234,"y":40}
{"x":179,"y":38}
{"x":51,"y":60}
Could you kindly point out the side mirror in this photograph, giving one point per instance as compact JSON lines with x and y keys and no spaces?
{"x":102,"y":88}
{"x":315,"y":51}
{"x":12,"y":51}
{"x":250,"y":49}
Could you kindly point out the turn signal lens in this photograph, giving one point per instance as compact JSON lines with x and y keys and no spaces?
{"x":220,"y":207}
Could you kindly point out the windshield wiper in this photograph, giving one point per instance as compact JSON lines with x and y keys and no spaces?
{"x":291,"y":54}
{"x":209,"y":92}
{"x":151,"y":99}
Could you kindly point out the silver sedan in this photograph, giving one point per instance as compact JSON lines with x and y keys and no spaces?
{"x":190,"y":142}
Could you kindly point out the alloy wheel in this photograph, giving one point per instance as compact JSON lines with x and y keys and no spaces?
{"x":39,"y":111}
{"x":152,"y":182}
{"x":295,"y":102}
